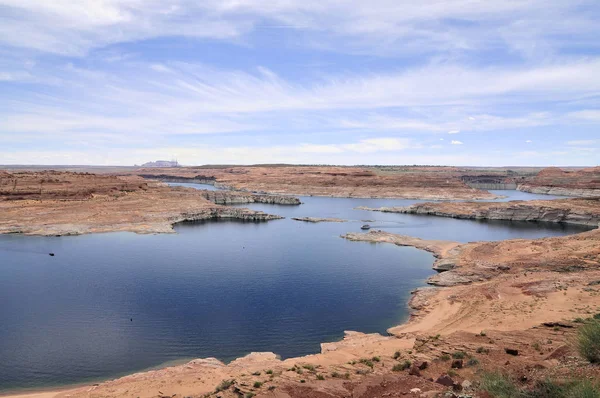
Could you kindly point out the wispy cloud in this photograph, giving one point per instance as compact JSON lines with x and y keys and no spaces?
{"x":456,"y":142}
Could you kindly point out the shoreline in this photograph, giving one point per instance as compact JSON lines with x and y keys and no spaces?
{"x":429,"y":312}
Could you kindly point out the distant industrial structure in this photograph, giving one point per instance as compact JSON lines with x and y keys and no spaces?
{"x":162,"y":163}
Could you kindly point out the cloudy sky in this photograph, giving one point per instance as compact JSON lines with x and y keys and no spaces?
{"x":459,"y":82}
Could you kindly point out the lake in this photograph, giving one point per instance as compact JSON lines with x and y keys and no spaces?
{"x":111,"y":304}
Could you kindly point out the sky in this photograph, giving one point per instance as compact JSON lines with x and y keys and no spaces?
{"x":453,"y":82}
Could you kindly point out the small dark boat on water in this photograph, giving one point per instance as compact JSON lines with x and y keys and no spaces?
{"x":51,"y":254}
{"x":366,"y":226}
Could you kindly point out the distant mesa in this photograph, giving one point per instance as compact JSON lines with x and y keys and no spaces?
{"x":162,"y":163}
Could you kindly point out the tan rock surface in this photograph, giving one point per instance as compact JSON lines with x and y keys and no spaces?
{"x":356,"y":182}
{"x":78,"y":204}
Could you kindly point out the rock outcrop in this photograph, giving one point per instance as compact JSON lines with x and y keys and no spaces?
{"x":578,"y":211}
{"x":554,"y":181}
{"x":79,"y":204}
{"x":236,"y":198}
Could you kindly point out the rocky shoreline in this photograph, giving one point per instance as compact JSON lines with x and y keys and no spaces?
{"x":235,"y":198}
{"x":62,"y":203}
{"x":560,"y":191}
{"x":569,"y":211}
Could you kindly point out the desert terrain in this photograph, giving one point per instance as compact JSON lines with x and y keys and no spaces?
{"x":69,"y":203}
{"x":513,"y":307}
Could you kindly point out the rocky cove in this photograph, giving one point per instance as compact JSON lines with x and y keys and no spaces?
{"x":212,"y":281}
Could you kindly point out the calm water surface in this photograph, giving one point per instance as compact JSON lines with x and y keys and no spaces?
{"x":111,"y":304}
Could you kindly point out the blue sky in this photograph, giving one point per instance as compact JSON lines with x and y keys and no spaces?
{"x":463,"y":82}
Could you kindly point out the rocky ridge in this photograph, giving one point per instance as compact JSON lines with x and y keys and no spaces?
{"x":578,"y":211}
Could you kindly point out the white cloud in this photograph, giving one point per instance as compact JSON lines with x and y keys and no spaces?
{"x":528,"y":141}
{"x":455,"y":142}
{"x":379,"y":26}
{"x":453,"y":131}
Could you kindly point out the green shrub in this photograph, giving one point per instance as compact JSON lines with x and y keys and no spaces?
{"x":376,"y":359}
{"x":249,"y":395}
{"x":309,"y":367}
{"x":367,"y":362}
{"x":269,"y":372}
{"x":258,"y":384}
{"x":482,"y":350}
{"x":459,"y":355}
{"x":571,"y":389}
{"x":445,"y":357}
{"x":588,"y":341}
{"x":320,"y":377}
{"x":397,"y":355}
{"x":584,"y":389}
{"x":499,"y":386}
{"x":335,"y":374}
{"x":473,"y":362}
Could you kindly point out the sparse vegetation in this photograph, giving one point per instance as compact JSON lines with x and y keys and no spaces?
{"x":249,"y":395}
{"x":224,"y":385}
{"x":401,"y":366}
{"x":376,"y":359}
{"x":452,"y":373}
{"x":397,"y":355}
{"x":335,"y":374}
{"x":269,"y":372}
{"x":459,"y":355}
{"x":473,"y":362}
{"x":499,"y":386}
{"x":445,"y":357}
{"x":257,"y":384}
{"x":588,"y":341}
{"x":320,"y":377}
{"x":309,"y":367}
{"x":482,"y":350}
{"x":256,"y":374}
{"x":367,"y":362}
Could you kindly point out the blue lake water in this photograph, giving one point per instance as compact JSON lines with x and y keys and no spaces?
{"x":111,"y":304}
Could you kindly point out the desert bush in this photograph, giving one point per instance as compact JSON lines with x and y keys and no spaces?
{"x":458,"y":355}
{"x":499,"y":386}
{"x":401,"y":366}
{"x":224,"y":385}
{"x":588,"y":341}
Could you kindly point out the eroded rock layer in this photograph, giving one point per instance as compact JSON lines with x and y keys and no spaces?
{"x":75,"y":203}
{"x":577,"y":211}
